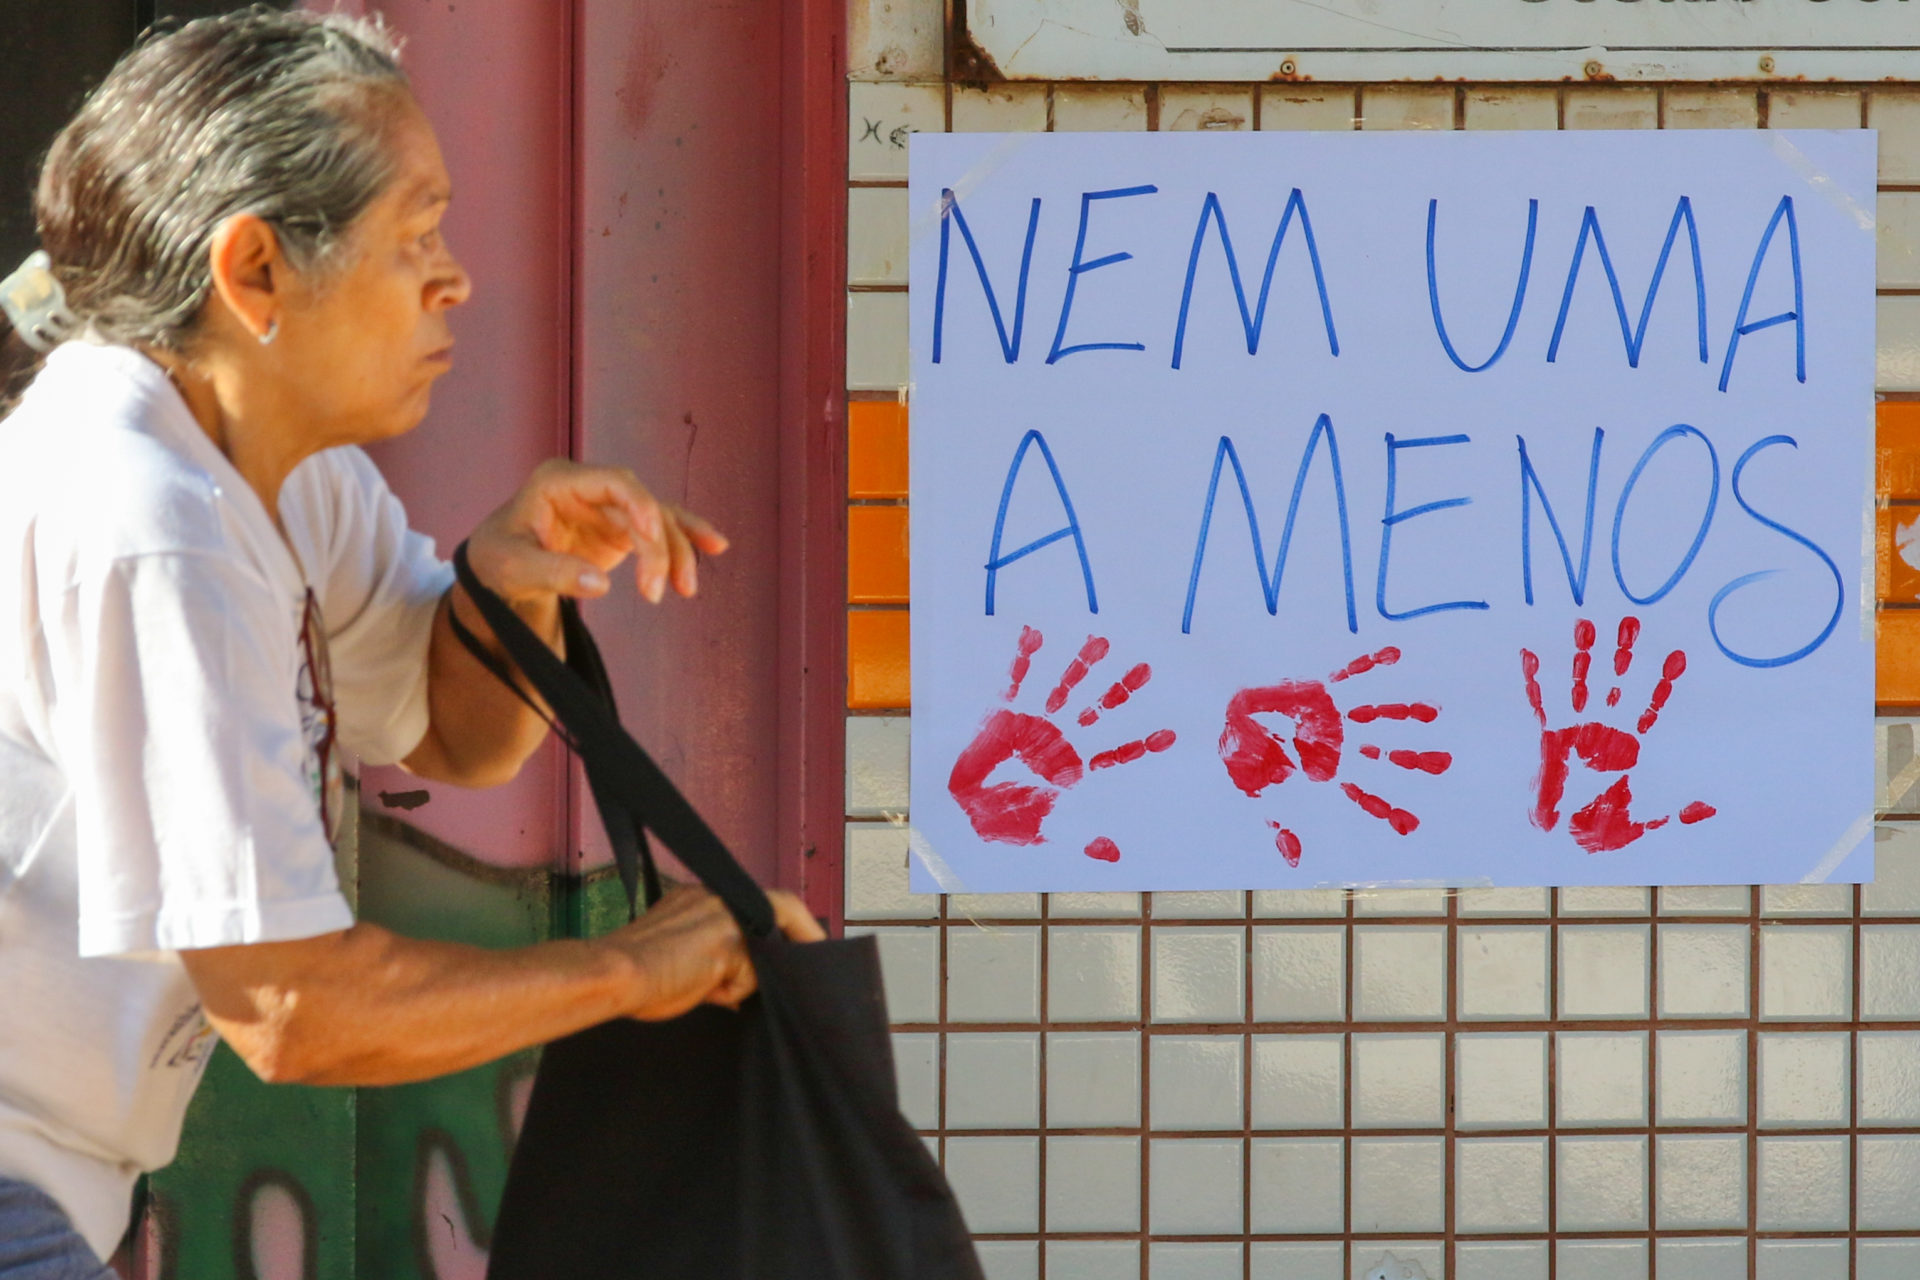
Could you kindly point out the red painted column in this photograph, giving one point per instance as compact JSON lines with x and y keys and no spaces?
{"x":494,"y":78}
{"x":813,"y":454}
{"x":651,"y":199}
{"x":678,"y":296}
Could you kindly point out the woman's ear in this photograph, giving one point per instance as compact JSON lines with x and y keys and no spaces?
{"x":250,"y":275}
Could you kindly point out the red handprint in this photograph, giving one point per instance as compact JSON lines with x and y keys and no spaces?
{"x":1605,"y":823}
{"x":1013,"y":812}
{"x":1256,"y":758}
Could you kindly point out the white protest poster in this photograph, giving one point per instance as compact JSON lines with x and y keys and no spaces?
{"x":1466,"y":509}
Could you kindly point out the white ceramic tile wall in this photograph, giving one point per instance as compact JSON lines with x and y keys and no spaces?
{"x":895,"y":39}
{"x":1686,"y":108}
{"x":1599,"y":108}
{"x":1494,"y":1084}
{"x":1208,"y":107}
{"x":1099,"y":108}
{"x":1307,"y":107}
{"x":1006,"y":108}
{"x":881,"y":121}
{"x":1299,"y":1081}
{"x":1512,"y":108}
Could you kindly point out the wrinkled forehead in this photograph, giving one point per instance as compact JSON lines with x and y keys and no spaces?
{"x":420,"y":180}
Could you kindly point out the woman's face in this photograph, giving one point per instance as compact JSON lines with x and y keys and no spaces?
{"x":368,"y":342}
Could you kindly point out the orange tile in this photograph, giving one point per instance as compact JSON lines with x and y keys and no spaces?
{"x":1895,"y":577}
{"x":877,"y":555}
{"x":1897,"y":657}
{"x":1897,"y":451}
{"x":876,"y":449}
{"x":877,"y":670}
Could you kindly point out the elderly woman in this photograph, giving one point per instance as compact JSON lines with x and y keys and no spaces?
{"x":205,"y":585}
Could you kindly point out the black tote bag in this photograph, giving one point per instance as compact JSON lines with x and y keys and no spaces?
{"x":763,"y":1144}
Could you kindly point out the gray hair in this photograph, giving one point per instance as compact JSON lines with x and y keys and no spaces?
{"x":282,"y":115}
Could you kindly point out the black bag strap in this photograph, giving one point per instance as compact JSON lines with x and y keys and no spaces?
{"x":628,"y":839}
{"x":632,"y":793}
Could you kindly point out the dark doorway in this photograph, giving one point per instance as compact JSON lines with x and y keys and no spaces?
{"x":51,"y":53}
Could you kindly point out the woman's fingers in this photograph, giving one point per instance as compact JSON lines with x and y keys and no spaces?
{"x":683,"y":563}
{"x":708,"y":539}
{"x":652,"y":562}
{"x":739,"y":983}
{"x":665,"y":541}
{"x":519,"y":568}
{"x":690,"y":951}
{"x":791,"y":914}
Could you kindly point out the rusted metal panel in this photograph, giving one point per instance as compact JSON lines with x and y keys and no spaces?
{"x":1365,"y":40}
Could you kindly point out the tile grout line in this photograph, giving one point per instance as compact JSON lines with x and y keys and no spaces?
{"x":1246,"y":1044}
{"x":1449,"y":1080}
{"x":1346,"y":1039}
{"x":1040,"y":1037}
{"x":1655,"y":1007}
{"x":1145,"y":1058}
{"x":1753,"y":1081}
{"x":1554,"y":1011}
{"x":1853,"y":1089}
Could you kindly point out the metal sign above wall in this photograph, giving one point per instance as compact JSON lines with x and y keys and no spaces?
{"x":1368,"y":40}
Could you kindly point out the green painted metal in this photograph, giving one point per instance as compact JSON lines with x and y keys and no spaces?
{"x":279,"y":1182}
{"x":263,"y":1188}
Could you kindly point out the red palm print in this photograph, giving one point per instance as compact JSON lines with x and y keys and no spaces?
{"x":1256,"y":758}
{"x":1605,"y":823}
{"x":1014,"y":812}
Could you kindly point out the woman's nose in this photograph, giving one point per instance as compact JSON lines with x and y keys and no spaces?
{"x":452,"y":285}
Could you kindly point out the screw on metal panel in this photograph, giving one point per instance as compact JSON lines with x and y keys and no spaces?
{"x":1766,"y":64}
{"x":1288,"y":68}
{"x":1593,"y":69}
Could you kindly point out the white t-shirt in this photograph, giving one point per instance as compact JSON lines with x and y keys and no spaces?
{"x":164,"y":758}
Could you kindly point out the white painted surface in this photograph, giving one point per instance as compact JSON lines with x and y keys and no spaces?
{"x":1142,"y":540}
{"x":1454,"y":39}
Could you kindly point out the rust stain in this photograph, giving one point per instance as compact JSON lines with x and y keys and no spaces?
{"x":648,"y":62}
{"x":968,"y":65}
{"x":1212,"y":118}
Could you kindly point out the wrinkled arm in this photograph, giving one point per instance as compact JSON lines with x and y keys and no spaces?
{"x":366,"y":1006}
{"x":478,"y":732}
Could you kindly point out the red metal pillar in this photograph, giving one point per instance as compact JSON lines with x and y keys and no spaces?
{"x":494,"y":80}
{"x":652,"y":202}
{"x":709,"y":318}
{"x":813,"y":453}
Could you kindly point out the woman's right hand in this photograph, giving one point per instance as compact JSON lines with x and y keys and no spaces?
{"x":687,"y":950}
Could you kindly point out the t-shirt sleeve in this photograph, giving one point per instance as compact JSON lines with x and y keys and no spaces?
{"x":382,"y":585}
{"x":176,"y":719}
